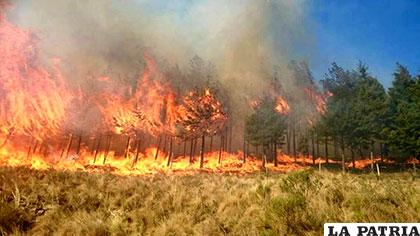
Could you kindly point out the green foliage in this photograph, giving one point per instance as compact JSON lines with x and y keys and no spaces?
{"x":266,"y":124}
{"x":299,"y":182}
{"x":356,"y":112}
{"x":368,"y":109}
{"x":360,"y":113}
{"x":337,"y":120}
{"x":403,"y":128}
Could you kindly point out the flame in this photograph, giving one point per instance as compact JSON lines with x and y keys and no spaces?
{"x":151,"y":108}
{"x":282,"y":106}
{"x":319,"y":100}
{"x":216,"y":162}
{"x":201,"y":114}
{"x":254,"y":104}
{"x":41,"y":116}
{"x":33,"y":101}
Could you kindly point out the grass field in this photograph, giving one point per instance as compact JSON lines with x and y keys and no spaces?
{"x":297,"y":203}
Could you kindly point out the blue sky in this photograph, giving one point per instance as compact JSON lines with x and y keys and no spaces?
{"x":378,"y":32}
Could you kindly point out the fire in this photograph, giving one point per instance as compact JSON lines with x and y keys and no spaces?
{"x":254,"y":104}
{"x":46,"y":124}
{"x":33,"y":101}
{"x":318,"y":99}
{"x":201,"y":114}
{"x":282,"y":106}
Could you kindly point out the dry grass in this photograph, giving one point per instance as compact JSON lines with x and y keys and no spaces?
{"x":298,"y":203}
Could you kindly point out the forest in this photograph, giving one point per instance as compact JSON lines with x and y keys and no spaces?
{"x":359,"y":117}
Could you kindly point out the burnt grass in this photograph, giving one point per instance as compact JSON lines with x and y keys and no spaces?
{"x":297,"y":203}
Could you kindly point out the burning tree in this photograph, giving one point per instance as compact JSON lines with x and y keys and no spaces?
{"x":33,"y":100}
{"x":200,"y":114}
{"x":266,"y":127}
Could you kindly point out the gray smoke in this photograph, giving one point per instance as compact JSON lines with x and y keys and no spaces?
{"x":244,"y":39}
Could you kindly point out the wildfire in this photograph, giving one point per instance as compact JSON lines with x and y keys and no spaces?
{"x":150,"y":129}
{"x":254,"y":104}
{"x":33,"y":101}
{"x":282,"y":106}
{"x":318,"y":99}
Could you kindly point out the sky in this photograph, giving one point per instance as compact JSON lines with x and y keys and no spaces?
{"x":377,"y":32}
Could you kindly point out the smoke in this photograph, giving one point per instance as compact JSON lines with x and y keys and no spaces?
{"x":245,"y":39}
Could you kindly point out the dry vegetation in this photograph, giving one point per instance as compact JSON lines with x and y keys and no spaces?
{"x":297,"y":203}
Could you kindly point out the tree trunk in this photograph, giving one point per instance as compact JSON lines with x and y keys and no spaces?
{"x":185,"y":148}
{"x":137,"y":152}
{"x":157,"y":148}
{"x":92,"y":147}
{"x":247,"y":149}
{"x":98,"y":145}
{"x":361,"y":153}
{"x":352,"y":158}
{"x":385,"y":152}
{"x":230,"y":138}
{"x":257,"y":153}
{"x":35,"y":147}
{"x":294,"y":142}
{"x":244,"y":154}
{"x":64,"y":145}
{"x":79,"y":143}
{"x":342,"y":154}
{"x":371,"y":162}
{"x":308,"y":144}
{"x":202,"y":151}
{"x":313,"y":148}
{"x":288,"y":141}
{"x":326,"y":148}
{"x":317,"y":147}
{"x":41,"y":145}
{"x":30,"y":149}
{"x":226,"y":140}
{"x":275,"y":154}
{"x":164,"y":144}
{"x":335,"y":148}
{"x":264,"y":156}
{"x":68,"y":146}
{"x":381,"y":150}
{"x":191,"y":151}
{"x":170,"y":152}
{"x":107,"y":148}
{"x":127,"y":147}
{"x":194,"y":148}
{"x":221,"y":149}
{"x":9,"y":134}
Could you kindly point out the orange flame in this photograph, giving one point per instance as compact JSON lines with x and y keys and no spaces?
{"x":33,"y":102}
{"x":37,"y":106}
{"x":282,"y":106}
{"x":318,"y":99}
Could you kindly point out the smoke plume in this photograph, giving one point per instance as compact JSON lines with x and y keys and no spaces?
{"x":245,"y":40}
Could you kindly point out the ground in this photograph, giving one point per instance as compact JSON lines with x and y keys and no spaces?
{"x":296,"y":203}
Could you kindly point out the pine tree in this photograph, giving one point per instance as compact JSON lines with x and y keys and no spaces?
{"x":404,"y":114}
{"x":265,"y":126}
{"x":368,"y":110}
{"x":201,"y":114}
{"x":356,"y":112}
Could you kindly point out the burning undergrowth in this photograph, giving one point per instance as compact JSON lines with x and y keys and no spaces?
{"x":154,"y":125}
